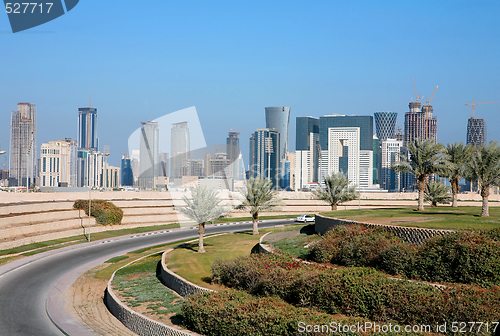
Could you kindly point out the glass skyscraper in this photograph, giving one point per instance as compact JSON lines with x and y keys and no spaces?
{"x":179,"y":149}
{"x":476,"y":131}
{"x":264,"y":155}
{"x":385,"y":125}
{"x":87,"y":128}
{"x":278,"y":117}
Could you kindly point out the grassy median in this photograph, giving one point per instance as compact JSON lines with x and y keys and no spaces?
{"x":443,"y":217}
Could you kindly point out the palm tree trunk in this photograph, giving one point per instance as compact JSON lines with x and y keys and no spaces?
{"x":485,"y":193}
{"x":201,"y":231}
{"x":421,"y":187}
{"x":454,"y":189}
{"x":255,"y":219}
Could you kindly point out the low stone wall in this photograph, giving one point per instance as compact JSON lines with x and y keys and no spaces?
{"x":409,"y":234}
{"x":138,"y":323}
{"x":177,"y":283}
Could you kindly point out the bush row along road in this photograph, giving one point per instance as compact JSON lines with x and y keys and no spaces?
{"x":25,"y":284}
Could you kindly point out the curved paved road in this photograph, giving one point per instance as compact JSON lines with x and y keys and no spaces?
{"x":25,"y":284}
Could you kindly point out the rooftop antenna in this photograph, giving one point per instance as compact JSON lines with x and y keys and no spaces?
{"x":90,"y":99}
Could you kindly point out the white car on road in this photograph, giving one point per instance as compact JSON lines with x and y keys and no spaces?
{"x":305,"y":218}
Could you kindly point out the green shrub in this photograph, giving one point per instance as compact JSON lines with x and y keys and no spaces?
{"x":398,"y":259}
{"x":237,"y":313}
{"x":464,"y":256}
{"x":353,"y":245}
{"x":104,"y":212}
{"x":361,"y":292}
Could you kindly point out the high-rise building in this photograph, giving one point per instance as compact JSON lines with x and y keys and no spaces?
{"x":179,"y":149}
{"x":149,"y":146}
{"x":264,"y":155}
{"x":419,"y":123}
{"x":476,"y":131}
{"x":389,"y":180}
{"x":58,"y":163}
{"x":307,"y":152}
{"x":278,"y":118}
{"x":127,"y":177}
{"x":385,"y":124}
{"x":23,"y":148}
{"x":346,"y":144}
{"x":88,"y":145}
{"x":87,"y":128}
{"x":234,"y":156}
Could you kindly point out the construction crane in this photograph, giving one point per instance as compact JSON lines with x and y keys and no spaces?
{"x":474,"y":106}
{"x":237,"y":129}
{"x":429,"y":101}
{"x":417,"y":97}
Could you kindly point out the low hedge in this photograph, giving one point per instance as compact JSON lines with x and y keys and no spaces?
{"x":104,"y":212}
{"x":465,"y":256}
{"x":237,"y":313}
{"x":361,"y":292}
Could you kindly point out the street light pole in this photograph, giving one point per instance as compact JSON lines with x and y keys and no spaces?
{"x":90,"y":188}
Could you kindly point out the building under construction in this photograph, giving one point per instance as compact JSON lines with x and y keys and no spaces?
{"x":420,"y":123}
{"x":476,"y":131}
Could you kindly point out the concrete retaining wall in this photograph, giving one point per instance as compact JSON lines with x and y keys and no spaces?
{"x":177,"y":283}
{"x":138,"y":323}
{"x":409,"y":234}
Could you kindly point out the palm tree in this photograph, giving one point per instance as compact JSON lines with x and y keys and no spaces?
{"x":258,"y":196}
{"x":484,"y":168}
{"x":456,"y":156}
{"x":202,"y":207}
{"x":424,"y":160}
{"x":336,"y":191}
{"x":437,"y":193}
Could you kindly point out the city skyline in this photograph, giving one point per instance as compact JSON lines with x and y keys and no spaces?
{"x":325,"y":70}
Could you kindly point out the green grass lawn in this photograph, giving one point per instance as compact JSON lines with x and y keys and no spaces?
{"x":195,"y":267}
{"x":444,"y":217}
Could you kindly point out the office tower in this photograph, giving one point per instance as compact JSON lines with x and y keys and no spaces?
{"x":264,"y":155}
{"x":476,"y":131}
{"x":419,"y":123}
{"x":376,"y":161}
{"x":87,"y":128}
{"x":87,"y":143}
{"x":149,"y":146}
{"x":307,"y":152}
{"x":346,"y":144}
{"x":234,"y":155}
{"x":58,"y":163}
{"x":389,"y":180}
{"x":179,"y":149}
{"x":23,"y":148}
{"x":385,"y":124}
{"x":127,"y":178}
{"x":278,"y":118}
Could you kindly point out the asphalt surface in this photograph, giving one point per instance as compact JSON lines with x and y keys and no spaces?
{"x":26,"y":283}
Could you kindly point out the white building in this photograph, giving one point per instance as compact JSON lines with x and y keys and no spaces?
{"x":389,"y":180}
{"x":58,"y":163}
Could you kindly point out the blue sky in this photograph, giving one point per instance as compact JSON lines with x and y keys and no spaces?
{"x":230,"y":59}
